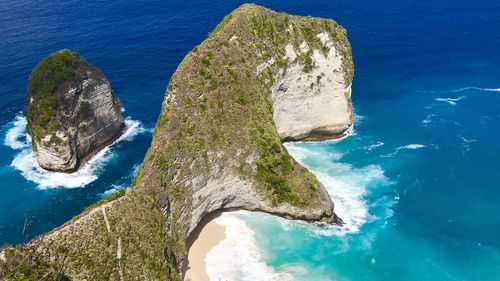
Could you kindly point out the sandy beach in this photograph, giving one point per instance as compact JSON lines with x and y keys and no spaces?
{"x":210,"y":235}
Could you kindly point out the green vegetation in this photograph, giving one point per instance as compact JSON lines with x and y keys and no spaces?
{"x":273,"y":170}
{"x":221,"y":104}
{"x":25,"y":265}
{"x":45,"y":89}
{"x":217,"y":117}
{"x":87,"y":250}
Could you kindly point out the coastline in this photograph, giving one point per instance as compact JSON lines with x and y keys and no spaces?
{"x":210,"y":233}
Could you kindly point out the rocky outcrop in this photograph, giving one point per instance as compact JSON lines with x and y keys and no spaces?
{"x":260,"y":78}
{"x":315,"y":105}
{"x":71,"y":111}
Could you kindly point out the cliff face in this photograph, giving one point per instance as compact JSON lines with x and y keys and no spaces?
{"x":315,"y":105}
{"x":261,"y":77}
{"x":71,"y":111}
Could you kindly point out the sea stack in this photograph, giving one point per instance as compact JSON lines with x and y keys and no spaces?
{"x":260,"y":78}
{"x":71,"y":111}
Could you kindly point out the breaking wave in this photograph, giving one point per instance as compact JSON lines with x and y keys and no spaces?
{"x":412,"y":146}
{"x":237,"y":256}
{"x":347,"y":186}
{"x":25,"y":160}
{"x":16,"y":136}
{"x":452,"y":101}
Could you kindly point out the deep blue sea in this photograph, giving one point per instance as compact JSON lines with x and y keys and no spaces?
{"x":417,"y":182}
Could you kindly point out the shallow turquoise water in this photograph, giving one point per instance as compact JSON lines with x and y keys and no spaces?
{"x":427,"y":206}
{"x":417,"y":183}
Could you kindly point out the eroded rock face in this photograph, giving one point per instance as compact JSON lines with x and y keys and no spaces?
{"x":315,"y":105}
{"x":217,"y":146}
{"x":260,"y":78}
{"x":73,"y":117}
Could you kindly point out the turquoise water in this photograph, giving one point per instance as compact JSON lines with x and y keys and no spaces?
{"x":417,"y":182}
{"x":425,"y":206}
{"x":419,"y":204}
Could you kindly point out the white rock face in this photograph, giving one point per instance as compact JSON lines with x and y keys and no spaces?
{"x":231,"y":192}
{"x":52,"y":157}
{"x":89,"y":118}
{"x":314,"y":105}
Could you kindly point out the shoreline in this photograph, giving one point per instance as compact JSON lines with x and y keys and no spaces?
{"x":207,"y":235}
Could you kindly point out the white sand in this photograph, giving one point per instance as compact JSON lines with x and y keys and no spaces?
{"x":209,"y":237}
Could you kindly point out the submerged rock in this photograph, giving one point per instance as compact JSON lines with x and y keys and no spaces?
{"x":71,"y":111}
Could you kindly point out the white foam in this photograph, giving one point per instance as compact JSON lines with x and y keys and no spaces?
{"x":466,"y":143}
{"x":412,"y":146}
{"x":346,"y":185}
{"x":16,"y":137}
{"x":134,"y":128}
{"x":428,"y":119}
{"x":113,"y":189}
{"x":465,"y":140}
{"x":25,"y":160}
{"x":237,"y":257}
{"x":373,"y":146}
{"x":452,"y":101}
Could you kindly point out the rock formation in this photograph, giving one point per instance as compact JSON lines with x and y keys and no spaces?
{"x":71,"y":111}
{"x":260,"y":78}
{"x":314,"y":105}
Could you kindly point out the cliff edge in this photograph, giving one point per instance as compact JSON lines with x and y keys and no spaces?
{"x":71,"y":111}
{"x":260,"y":78}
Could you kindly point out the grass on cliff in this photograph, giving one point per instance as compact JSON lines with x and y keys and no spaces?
{"x":136,"y":247}
{"x":217,"y":116}
{"x":218,"y":111}
{"x":46,"y":83}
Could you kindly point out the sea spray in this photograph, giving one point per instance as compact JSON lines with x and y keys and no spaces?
{"x":237,"y":256}
{"x":346,"y":184}
{"x":16,"y":136}
{"x":25,"y":161}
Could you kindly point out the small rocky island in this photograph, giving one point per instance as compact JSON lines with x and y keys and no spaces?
{"x":259,"y":79}
{"x":71,"y":111}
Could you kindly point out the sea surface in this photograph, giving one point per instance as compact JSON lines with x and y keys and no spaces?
{"x":417,"y":182}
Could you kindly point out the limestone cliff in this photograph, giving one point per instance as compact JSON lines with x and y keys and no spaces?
{"x":216,"y":146}
{"x":71,"y":111}
{"x":261,"y":77}
{"x":315,"y":105}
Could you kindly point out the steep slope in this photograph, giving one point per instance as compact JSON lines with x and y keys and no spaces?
{"x":217,"y":146}
{"x":71,"y":111}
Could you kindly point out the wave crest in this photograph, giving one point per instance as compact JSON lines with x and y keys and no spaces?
{"x":452,"y":101}
{"x":237,"y":256}
{"x":346,"y":185}
{"x":412,"y":146}
{"x":25,"y":161}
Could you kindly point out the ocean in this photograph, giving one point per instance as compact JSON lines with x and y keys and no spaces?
{"x":417,"y":181}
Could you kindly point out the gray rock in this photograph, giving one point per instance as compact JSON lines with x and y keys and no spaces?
{"x":87,"y":118}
